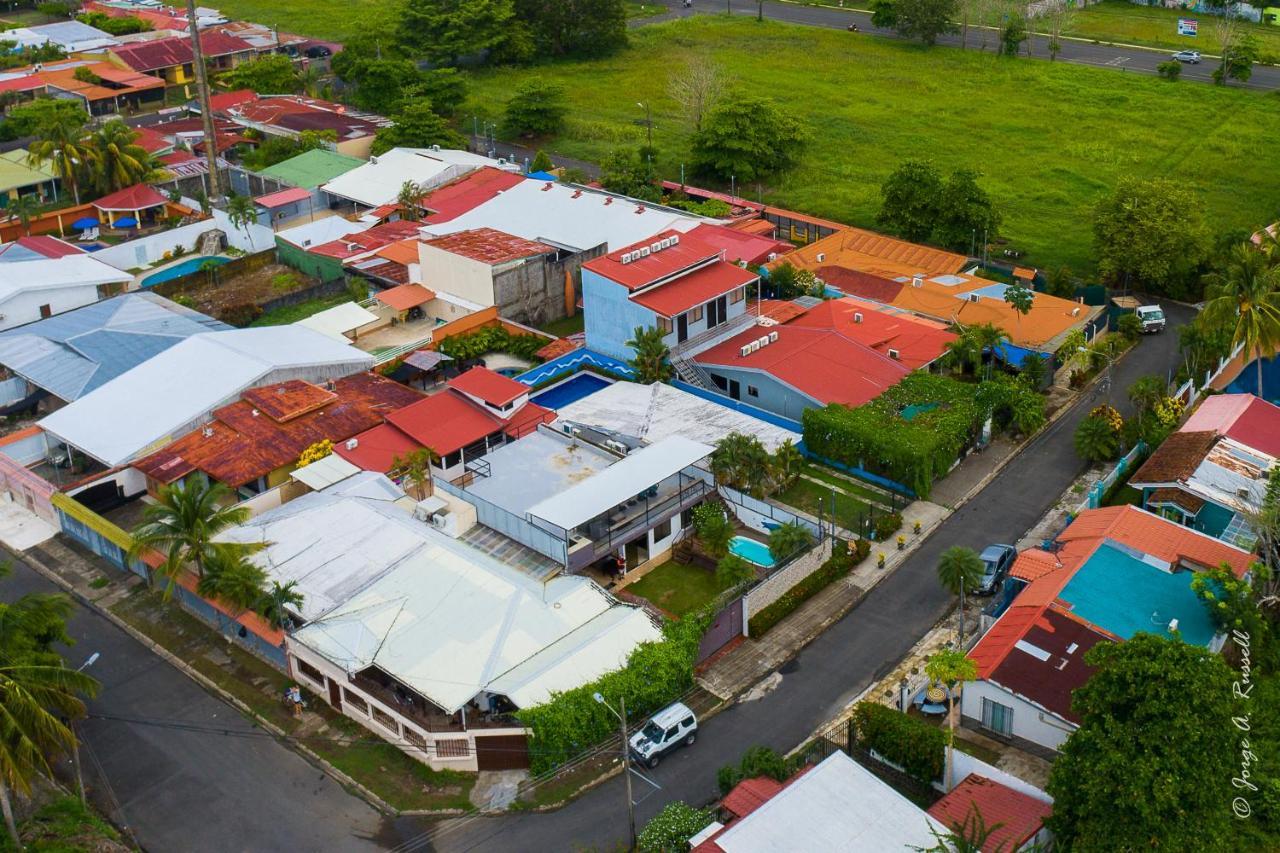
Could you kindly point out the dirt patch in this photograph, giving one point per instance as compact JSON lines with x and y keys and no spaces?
{"x":235,"y":298}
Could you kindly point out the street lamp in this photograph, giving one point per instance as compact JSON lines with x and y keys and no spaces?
{"x":1107,"y":370}
{"x":626,"y":761}
{"x":648,"y":121}
{"x":75,"y":741}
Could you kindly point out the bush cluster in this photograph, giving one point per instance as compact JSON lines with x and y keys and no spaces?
{"x":917,"y":747}
{"x":887,"y":525}
{"x":491,"y":339}
{"x":837,"y":566}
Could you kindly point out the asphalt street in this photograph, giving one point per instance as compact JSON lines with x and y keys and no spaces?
{"x":1125,"y":59}
{"x":179,"y":790}
{"x":835,"y":667}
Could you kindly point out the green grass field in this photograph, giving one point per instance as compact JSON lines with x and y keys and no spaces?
{"x":1120,"y":21}
{"x":677,"y":588}
{"x":335,"y":20}
{"x":1051,"y":138}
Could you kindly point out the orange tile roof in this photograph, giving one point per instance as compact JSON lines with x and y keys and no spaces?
{"x":868,"y":251}
{"x":405,"y":296}
{"x":402,"y":252}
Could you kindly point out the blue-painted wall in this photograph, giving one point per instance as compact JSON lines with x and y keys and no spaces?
{"x":1211,"y":519}
{"x":772,"y":394}
{"x":609,"y":315}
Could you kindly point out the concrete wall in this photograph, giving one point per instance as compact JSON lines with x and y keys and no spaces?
{"x":780,"y":583}
{"x":610,"y":317}
{"x":772,"y":394}
{"x":461,"y":276}
{"x":319,"y":266}
{"x":24,"y":306}
{"x":1031,"y":723}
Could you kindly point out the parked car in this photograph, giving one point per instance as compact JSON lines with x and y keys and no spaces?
{"x":1152,"y":318}
{"x":1192,"y":57}
{"x":996,"y":560}
{"x":669,"y":729}
{"x":318,"y":51}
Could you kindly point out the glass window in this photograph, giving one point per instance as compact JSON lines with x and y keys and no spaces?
{"x":662,"y":531}
{"x":753,"y":391}
{"x":664,"y":323}
{"x":738,"y":295}
{"x":672,"y":732}
{"x":686,"y":722}
{"x":997,"y":717}
{"x":697,"y":314}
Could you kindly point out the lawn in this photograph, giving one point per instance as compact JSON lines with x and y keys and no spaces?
{"x":826,"y":475}
{"x":564,"y":327}
{"x":321,"y":19}
{"x":677,"y":588}
{"x":1051,"y":138}
{"x":816,"y":499}
{"x":1119,"y":21}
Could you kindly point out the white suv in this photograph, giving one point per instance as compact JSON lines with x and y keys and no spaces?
{"x":669,"y":729}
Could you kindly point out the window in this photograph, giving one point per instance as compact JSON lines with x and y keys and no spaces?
{"x":386,"y":720}
{"x":46,"y":311}
{"x":697,"y":314}
{"x":672,"y":733}
{"x":453,"y":748}
{"x":997,"y":717}
{"x":738,"y":295}
{"x":414,"y":738}
{"x":664,"y":323}
{"x":753,"y":391}
{"x":310,"y":672}
{"x":686,"y":722}
{"x":452,"y":459}
{"x":662,"y":531}
{"x":720,"y":382}
{"x":355,"y":700}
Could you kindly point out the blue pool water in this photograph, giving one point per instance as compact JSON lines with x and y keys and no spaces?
{"x":1247,"y":381}
{"x":510,"y":371}
{"x":751,"y":551}
{"x":187,"y":267}
{"x":570,"y":391}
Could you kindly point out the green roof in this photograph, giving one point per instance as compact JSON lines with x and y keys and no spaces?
{"x":312,"y":168}
{"x":15,"y":174}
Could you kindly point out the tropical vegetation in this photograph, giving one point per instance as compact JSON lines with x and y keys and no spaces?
{"x":670,"y":829}
{"x":649,"y":355}
{"x":951,"y":668}
{"x":1245,"y":298}
{"x":1097,"y":438}
{"x":916,"y":746}
{"x":960,"y":571}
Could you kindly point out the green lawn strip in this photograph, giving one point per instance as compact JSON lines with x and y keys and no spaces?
{"x":1154,"y":26}
{"x":321,"y":19}
{"x":847,"y":484}
{"x":816,"y":499}
{"x":564,"y":327}
{"x":300,"y":311}
{"x":1125,"y":495}
{"x":677,"y":588}
{"x":62,"y":826}
{"x":644,"y":10}
{"x":872,"y":102}
{"x":978,"y":751}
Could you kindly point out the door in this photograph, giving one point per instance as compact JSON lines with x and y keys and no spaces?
{"x":335,"y":694}
{"x":724,"y":629}
{"x":735,"y":390}
{"x":682,"y":328}
{"x":713,"y":318}
{"x":502,"y":752}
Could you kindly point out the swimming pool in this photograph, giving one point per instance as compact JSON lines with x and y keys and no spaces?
{"x":187,"y":267}
{"x":752,"y":551}
{"x":571,"y":390}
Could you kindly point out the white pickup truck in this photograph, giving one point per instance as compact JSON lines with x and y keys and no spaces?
{"x":1151,"y":317}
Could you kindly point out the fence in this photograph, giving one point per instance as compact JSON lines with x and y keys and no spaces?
{"x":1192,"y":391}
{"x":1098,"y":491}
{"x":781,"y":581}
{"x":861,"y":474}
{"x":508,"y":524}
{"x":572,"y":362}
{"x":757,"y":511}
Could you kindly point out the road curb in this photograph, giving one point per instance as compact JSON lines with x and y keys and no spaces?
{"x":210,"y":686}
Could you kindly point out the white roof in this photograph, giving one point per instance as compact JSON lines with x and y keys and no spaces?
{"x":620,"y":482}
{"x":321,"y":231}
{"x":338,"y":320}
{"x":379,"y":181}
{"x":148,"y":406}
{"x":658,"y":411}
{"x":566,"y":215}
{"x":1232,"y":475}
{"x":325,"y":472}
{"x":50,"y":274}
{"x":838,"y":805}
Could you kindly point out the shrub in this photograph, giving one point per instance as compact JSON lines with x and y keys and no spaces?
{"x":733,"y":570}
{"x":1129,"y":326}
{"x":491,"y":339}
{"x":713,"y":528}
{"x":789,"y":540}
{"x":671,"y":828}
{"x":917,"y":747}
{"x":887,"y":525}
{"x":861,"y":550}
{"x":756,"y":761}
{"x":1169,"y":70}
{"x":315,"y":452}
{"x":832,"y":569}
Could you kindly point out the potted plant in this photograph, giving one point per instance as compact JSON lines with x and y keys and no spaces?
{"x":902,"y":542}
{"x":880,"y":560}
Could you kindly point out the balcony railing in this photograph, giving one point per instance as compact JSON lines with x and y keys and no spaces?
{"x":426,"y":715}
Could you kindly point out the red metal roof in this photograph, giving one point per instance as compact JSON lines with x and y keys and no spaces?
{"x":136,"y":197}
{"x":377,"y":448}
{"x":23,"y":84}
{"x":287,"y":400}
{"x":466,"y":193}
{"x":226,"y":100}
{"x":171,"y":52}
{"x":740,"y":245}
{"x":489,"y":246}
{"x":749,"y":795}
{"x":778,"y":310}
{"x":1013,"y":817}
{"x":682,"y":253}
{"x":298,"y":113}
{"x":151,"y":141}
{"x":360,"y":242}
{"x":445,"y":422}
{"x":404,"y":297}
{"x":526,"y":420}
{"x":46,"y":245}
{"x":484,"y":384}
{"x":917,"y":342}
{"x":1048,"y":682}
{"x":688,"y":291}
{"x":293,"y":195}
{"x":1250,"y":420}
{"x":803,"y":359}
{"x":863,"y":284}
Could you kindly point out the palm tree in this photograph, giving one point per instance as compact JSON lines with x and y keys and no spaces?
{"x":24,"y":209}
{"x":34,"y":698}
{"x":1247,"y":298}
{"x":785,"y":465}
{"x":959,"y":570}
{"x":742,"y":462}
{"x":409,"y":199}
{"x":277,"y":601}
{"x":988,"y":338}
{"x":950,"y":668}
{"x":1020,"y":298}
{"x":242,"y":212}
{"x":118,"y":161}
{"x":182,"y":525}
{"x":1096,"y":440}
{"x":650,"y":360}
{"x":414,"y":470}
{"x":963,"y":350}
{"x":60,"y":141}
{"x":1145,"y":393}
{"x":231,"y":577}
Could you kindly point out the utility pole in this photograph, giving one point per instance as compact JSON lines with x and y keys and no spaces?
{"x":648,"y":122}
{"x":626,"y":762}
{"x":75,"y":740}
{"x":206,"y":111}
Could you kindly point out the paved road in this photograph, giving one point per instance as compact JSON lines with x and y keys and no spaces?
{"x":194,"y":791}
{"x":1135,"y":59}
{"x":839,"y":664}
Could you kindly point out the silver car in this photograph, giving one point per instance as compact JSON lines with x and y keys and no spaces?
{"x":1191,"y":57}
{"x":996,"y":560}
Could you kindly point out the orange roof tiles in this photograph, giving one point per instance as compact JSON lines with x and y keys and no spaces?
{"x":1012,"y":817}
{"x":405,"y":296}
{"x":402,"y":252}
{"x":855,"y":248}
{"x":916,"y":342}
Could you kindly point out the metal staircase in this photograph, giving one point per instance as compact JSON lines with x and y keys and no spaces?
{"x":682,"y":356}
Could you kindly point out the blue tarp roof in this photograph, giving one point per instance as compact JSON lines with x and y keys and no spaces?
{"x":542,"y":176}
{"x":1015,"y":355}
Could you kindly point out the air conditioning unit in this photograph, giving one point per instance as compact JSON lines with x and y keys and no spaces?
{"x":744,"y":351}
{"x":773,"y":256}
{"x":655,"y":247}
{"x":664,"y":243}
{"x":822,"y":256}
{"x":773,"y":336}
{"x":893,"y":354}
{"x":973,"y":297}
{"x":762,"y":342}
{"x":353,"y":443}
{"x":644,"y":251}
{"x":917,"y":280}
{"x":857,"y":316}
{"x":626,"y":258}
{"x":753,"y":346}
{"x":439,"y":520}
{"x":675,"y":239}
{"x":616,"y":446}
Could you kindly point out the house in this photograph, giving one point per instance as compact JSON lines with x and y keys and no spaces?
{"x":310,"y":169}
{"x":741,"y":246}
{"x":41,"y":246}
{"x":844,"y":351}
{"x":837,"y":805}
{"x":291,"y":115}
{"x":170,"y":58}
{"x":460,"y":195}
{"x":477,"y":411}
{"x":294,"y":245}
{"x":101,"y":87}
{"x":177,"y":390}
{"x":1015,"y":819}
{"x":253,"y":444}
{"x":1212,"y":473}
{"x":69,"y":36}
{"x":1112,"y":573}
{"x":671,"y":281}
{"x":69,"y":355}
{"x":263,"y":39}
{"x":140,"y":204}
{"x":31,"y":290}
{"x":379,"y":181}
{"x":424,"y":639}
{"x":345,"y":253}
{"x":19,"y":178}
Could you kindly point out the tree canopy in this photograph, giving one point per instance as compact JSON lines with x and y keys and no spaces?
{"x":536,"y":108}
{"x":925,"y":19}
{"x":272,"y":74}
{"x":445,"y":31}
{"x":417,"y":126}
{"x":585,"y":28}
{"x":1150,"y":232}
{"x":747,"y":137}
{"x":918,"y":205}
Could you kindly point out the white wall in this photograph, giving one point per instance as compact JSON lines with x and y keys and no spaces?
{"x":149,"y":250}
{"x":24,"y":307}
{"x":441,"y":270}
{"x":1030,"y":721}
{"x":29,"y":450}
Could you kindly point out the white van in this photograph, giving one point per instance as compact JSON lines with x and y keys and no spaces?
{"x":667,"y":730}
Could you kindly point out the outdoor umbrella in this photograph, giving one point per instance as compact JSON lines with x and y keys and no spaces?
{"x":126,"y":222}
{"x":87,"y":222}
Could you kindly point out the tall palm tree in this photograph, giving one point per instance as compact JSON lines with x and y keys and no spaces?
{"x":951,"y":668}
{"x":988,"y":338}
{"x":60,"y":142}
{"x":414,"y":470}
{"x":242,"y":212}
{"x":1020,"y":298}
{"x":118,"y":161}
{"x":650,"y":355}
{"x":785,"y":465}
{"x":963,"y":350}
{"x":182,"y":524}
{"x":960,"y":570}
{"x":277,"y":601}
{"x":24,"y":209}
{"x":34,"y":697}
{"x":231,"y":577}
{"x":1246,"y":297}
{"x":410,"y":199}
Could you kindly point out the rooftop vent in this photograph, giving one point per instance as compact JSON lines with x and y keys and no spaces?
{"x":675,"y":239}
{"x":208,"y":432}
{"x":773,"y":256}
{"x":857,"y":316}
{"x":1075,"y":312}
{"x":773,"y":336}
{"x":353,"y":443}
{"x":608,"y":199}
{"x":822,"y":256}
{"x":576,"y":194}
{"x":744,"y":351}
{"x":256,"y":413}
{"x":893,"y":354}
{"x":546,"y":186}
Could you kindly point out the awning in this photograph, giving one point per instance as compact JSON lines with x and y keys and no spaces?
{"x":405,"y":296}
{"x":338,"y":320}
{"x":324,"y":473}
{"x":125,"y":222}
{"x":293,"y":195}
{"x":425,"y":359}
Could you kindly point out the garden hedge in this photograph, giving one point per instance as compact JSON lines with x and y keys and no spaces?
{"x":916,"y":746}
{"x":492,"y":339}
{"x":837,"y":566}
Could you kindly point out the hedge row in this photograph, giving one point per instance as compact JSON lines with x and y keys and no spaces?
{"x":837,"y":566}
{"x":915,"y":746}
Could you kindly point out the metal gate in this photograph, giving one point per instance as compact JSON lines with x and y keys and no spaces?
{"x":726,"y":626}
{"x":502,"y":752}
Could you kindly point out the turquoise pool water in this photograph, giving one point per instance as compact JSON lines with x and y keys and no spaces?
{"x":751,"y":551}
{"x":187,"y":267}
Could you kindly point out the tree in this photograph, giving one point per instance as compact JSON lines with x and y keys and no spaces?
{"x":541,"y":162}
{"x":1145,"y":393}
{"x":1155,"y":723}
{"x":697,"y":88}
{"x":409,"y":199}
{"x":925,"y":19}
{"x":1246,"y":298}
{"x":1097,"y":438}
{"x":445,"y":88}
{"x":965,"y":213}
{"x":747,"y":138}
{"x":960,"y":570}
{"x":277,"y":601}
{"x":1060,"y":282}
{"x":417,"y":126}
{"x":741,"y":462}
{"x":1020,"y":298}
{"x":537,"y":108}
{"x":625,"y":172}
{"x":54,"y":9}
{"x":444,"y":31}
{"x":733,"y":570}
{"x":1130,"y":327}
{"x":1033,"y":372}
{"x":884,"y":14}
{"x":242,"y":212}
{"x":1058,"y":18}
{"x":583,"y":28}
{"x":649,"y":355}
{"x":988,"y":338}
{"x":1013,"y":34}
{"x":757,"y":762}
{"x":24,"y":209}
{"x":909,"y":200}
{"x":713,"y":528}
{"x":414,"y":470}
{"x":60,"y":141}
{"x":182,"y":524}
{"x":1150,"y":230}
{"x":789,"y":539}
{"x":964,"y":350}
{"x":1237,"y":61}
{"x":270,"y":74}
{"x":382,"y":84}
{"x":785,"y":466}
{"x":117,"y":160}
{"x":232,"y":578}
{"x":950,"y":668}
{"x":671,"y":829}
